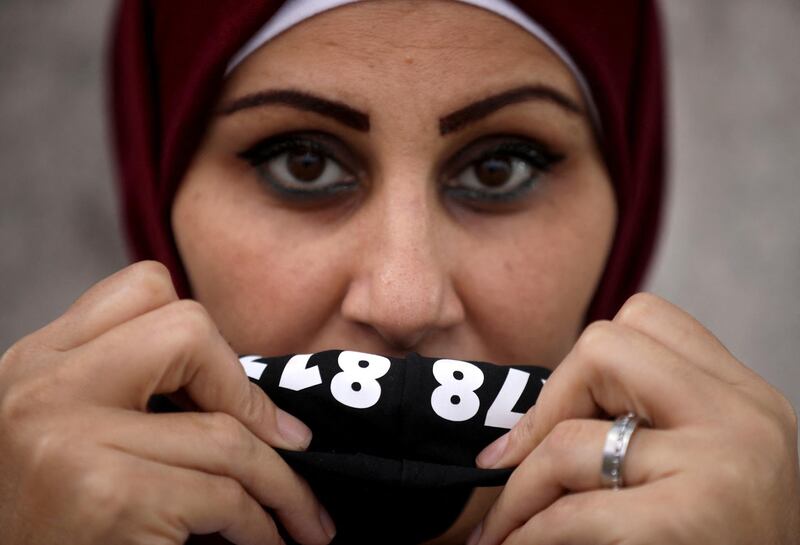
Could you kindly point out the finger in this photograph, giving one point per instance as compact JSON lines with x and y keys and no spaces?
{"x":216,"y":443}
{"x":613,"y":370}
{"x":598,"y":517}
{"x":178,"y":346}
{"x":227,"y":509}
{"x":194,"y":502}
{"x":569,"y":460}
{"x":135,"y":290}
{"x":680,"y":332}
{"x":122,"y":497}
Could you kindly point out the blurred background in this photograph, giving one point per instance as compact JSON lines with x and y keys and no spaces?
{"x":730,"y":254}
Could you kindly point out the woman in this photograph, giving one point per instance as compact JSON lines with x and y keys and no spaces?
{"x":389,"y":176}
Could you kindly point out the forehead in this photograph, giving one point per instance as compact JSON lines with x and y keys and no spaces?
{"x":377,"y":49}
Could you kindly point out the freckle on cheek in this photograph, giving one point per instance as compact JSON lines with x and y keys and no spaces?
{"x":408,"y":60}
{"x":197,"y":195}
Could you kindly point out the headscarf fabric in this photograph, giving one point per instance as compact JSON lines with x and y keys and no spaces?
{"x":168,"y":63}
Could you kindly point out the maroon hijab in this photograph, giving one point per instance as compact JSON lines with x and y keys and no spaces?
{"x":168,"y":62}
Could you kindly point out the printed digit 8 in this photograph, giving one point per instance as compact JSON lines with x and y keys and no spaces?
{"x":357,"y":384}
{"x":455,"y":398}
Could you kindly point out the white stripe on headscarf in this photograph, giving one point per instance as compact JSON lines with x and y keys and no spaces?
{"x":293,"y":12}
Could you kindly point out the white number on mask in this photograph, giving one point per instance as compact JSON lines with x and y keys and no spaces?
{"x":455,"y":398}
{"x":296,"y":376}
{"x":254,"y":366}
{"x":500,"y":414}
{"x":357,"y":384}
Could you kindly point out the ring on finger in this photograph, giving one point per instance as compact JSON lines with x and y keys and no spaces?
{"x":615,"y":448}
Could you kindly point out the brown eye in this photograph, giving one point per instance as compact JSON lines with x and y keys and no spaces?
{"x":497,"y":168}
{"x":306,"y":170}
{"x":496,"y":175}
{"x":305,"y":165}
{"x":493,"y":171}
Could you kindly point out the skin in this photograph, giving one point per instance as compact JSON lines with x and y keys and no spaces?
{"x":398,"y":264}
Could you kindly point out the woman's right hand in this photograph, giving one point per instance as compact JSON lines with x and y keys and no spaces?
{"x":82,"y":462}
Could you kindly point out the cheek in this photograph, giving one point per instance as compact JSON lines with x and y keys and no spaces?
{"x":266,"y":283}
{"x":536,"y":273}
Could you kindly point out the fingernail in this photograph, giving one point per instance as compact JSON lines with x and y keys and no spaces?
{"x":294,"y":431}
{"x":327,"y":522}
{"x":492,"y":454}
{"x":475,"y":536}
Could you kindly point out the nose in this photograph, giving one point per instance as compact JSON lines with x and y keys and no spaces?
{"x":401,"y":287}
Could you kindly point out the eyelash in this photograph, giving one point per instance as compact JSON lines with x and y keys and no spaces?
{"x":263,"y":152}
{"x":535,"y":154}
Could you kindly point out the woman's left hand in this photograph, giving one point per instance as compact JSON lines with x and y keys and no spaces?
{"x":718,"y":466}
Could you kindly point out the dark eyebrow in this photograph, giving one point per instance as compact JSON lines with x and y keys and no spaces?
{"x":480,"y":109}
{"x":302,"y":101}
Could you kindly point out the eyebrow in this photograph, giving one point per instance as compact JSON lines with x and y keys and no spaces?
{"x":358,"y":120}
{"x":302,"y":100}
{"x":477,"y":110}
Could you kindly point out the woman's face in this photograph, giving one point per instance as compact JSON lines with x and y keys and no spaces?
{"x":353,"y":191}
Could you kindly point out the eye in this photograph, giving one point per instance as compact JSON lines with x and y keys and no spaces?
{"x":303,"y":169}
{"x":496,"y":174}
{"x":499,"y":169}
{"x":301,"y":165}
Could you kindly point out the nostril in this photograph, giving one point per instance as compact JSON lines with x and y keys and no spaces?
{"x":404,"y":341}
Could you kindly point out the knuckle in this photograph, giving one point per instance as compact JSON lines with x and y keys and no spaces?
{"x":149,"y":271}
{"x":597,"y":341}
{"x":638,"y":308}
{"x":729,"y":473}
{"x":152,"y":280}
{"x":20,"y":356}
{"x":227,"y":433}
{"x":190,"y":322}
{"x":17,"y":352}
{"x":23,"y":399}
{"x":779,"y":433}
{"x":104,"y":491}
{"x":787,"y":413}
{"x":565,"y":437}
{"x":774,"y":431}
{"x":234,"y":494}
{"x":254,"y":404}
{"x":48,"y":449}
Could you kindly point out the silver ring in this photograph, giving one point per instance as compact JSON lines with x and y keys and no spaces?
{"x":617,"y":440}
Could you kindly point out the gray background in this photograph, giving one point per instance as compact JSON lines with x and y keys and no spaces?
{"x":730,"y":256}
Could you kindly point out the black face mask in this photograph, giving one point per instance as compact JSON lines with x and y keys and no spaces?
{"x":395,"y":439}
